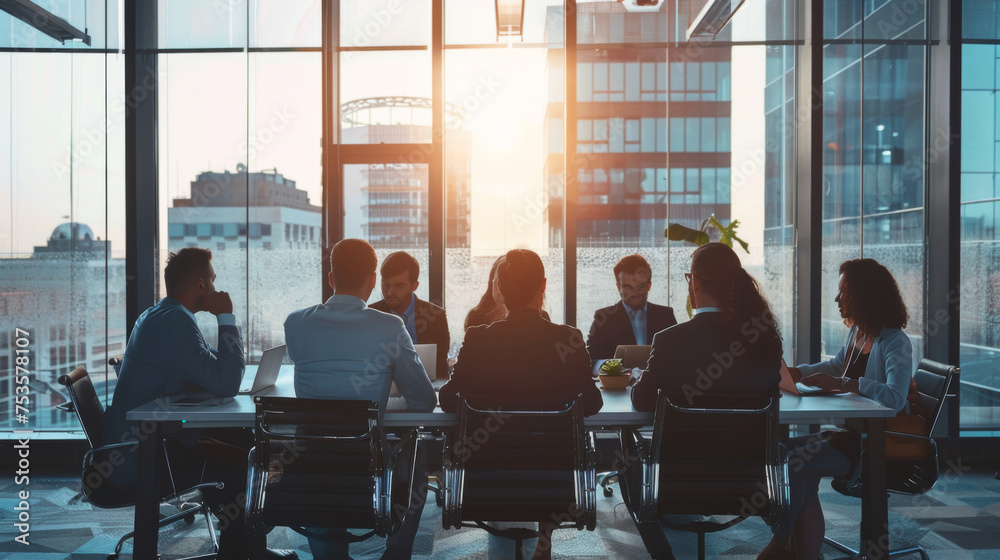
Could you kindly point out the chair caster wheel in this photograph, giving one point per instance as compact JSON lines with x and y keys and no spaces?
{"x":608,"y":491}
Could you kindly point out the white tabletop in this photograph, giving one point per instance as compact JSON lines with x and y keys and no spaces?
{"x":617,"y":410}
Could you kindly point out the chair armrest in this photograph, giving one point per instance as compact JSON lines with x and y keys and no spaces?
{"x":88,"y":456}
{"x":904,"y":434}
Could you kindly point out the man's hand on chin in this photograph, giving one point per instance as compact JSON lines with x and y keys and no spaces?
{"x":217,"y":303}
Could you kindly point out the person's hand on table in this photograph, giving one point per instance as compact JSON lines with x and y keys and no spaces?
{"x":823,"y":381}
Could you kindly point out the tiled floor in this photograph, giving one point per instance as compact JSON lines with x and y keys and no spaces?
{"x":958,"y":520}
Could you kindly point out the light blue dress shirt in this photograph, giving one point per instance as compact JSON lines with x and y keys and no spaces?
{"x":638,"y":320}
{"x":705,"y":310}
{"x":409,"y":319}
{"x":343,"y":350}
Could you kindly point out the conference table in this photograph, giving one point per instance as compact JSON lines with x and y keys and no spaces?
{"x":163,"y":416}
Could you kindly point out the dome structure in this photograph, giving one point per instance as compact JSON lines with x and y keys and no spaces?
{"x":72,"y":231}
{"x":75,"y":238}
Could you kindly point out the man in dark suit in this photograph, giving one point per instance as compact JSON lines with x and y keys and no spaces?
{"x":426,"y":322}
{"x":633,"y":320}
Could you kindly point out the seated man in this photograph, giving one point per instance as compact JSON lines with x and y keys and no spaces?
{"x":426,"y":322}
{"x":166,"y":355}
{"x":633,"y":320}
{"x":344,"y":350}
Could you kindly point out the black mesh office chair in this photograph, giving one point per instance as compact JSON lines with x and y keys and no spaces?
{"x":524,"y":460}
{"x":632,"y":356}
{"x":97,"y":462}
{"x":910,"y":477}
{"x":321,"y":463}
{"x":708,"y":462}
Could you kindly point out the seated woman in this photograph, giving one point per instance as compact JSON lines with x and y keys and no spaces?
{"x":875,"y":362}
{"x":523,"y":355}
{"x":490,"y":307}
{"x":732,"y":330}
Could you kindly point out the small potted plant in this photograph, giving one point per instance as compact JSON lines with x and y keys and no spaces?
{"x":613,"y":377}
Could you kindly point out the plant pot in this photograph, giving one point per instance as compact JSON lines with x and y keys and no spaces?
{"x":615,"y":382}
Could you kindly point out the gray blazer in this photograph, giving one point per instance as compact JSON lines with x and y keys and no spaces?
{"x":890,"y":367}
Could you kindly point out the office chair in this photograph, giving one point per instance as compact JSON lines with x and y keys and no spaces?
{"x":102,"y":492}
{"x":705,"y":461}
{"x":911,"y":476}
{"x":321,"y":463}
{"x":524,"y":460}
{"x":632,"y":356}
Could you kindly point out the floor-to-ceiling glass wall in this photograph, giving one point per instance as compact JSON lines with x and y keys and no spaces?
{"x":239,"y":153}
{"x":980,"y":214}
{"x":62,"y":234}
{"x":874,"y":105}
{"x":677,"y":131}
{"x":503,"y":156}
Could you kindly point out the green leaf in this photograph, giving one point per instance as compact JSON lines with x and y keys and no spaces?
{"x":677,"y":232}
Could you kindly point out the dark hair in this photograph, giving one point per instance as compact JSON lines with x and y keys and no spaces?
{"x":874,"y":300}
{"x":185,"y":267}
{"x":398,"y":263}
{"x":352,"y":262}
{"x":487,"y":305}
{"x":630,"y":264}
{"x":746,"y":314}
{"x":521,"y":275}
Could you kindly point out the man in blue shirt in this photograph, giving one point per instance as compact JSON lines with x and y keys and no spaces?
{"x":166,"y":355}
{"x":425,"y":322}
{"x":343,"y":350}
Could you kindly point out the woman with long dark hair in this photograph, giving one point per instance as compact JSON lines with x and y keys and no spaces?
{"x":490,"y":307}
{"x":732,"y":330}
{"x":875,"y":362}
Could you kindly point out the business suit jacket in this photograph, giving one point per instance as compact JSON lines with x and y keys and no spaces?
{"x":167,"y":355}
{"x":612,"y":327}
{"x":520,"y":356}
{"x":432,"y":328}
{"x":694,"y":361}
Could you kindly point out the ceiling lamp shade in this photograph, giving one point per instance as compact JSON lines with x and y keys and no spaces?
{"x":43,"y":20}
{"x":510,"y":18}
{"x":714,"y":16}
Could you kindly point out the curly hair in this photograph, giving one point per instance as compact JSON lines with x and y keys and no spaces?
{"x":873,"y":299}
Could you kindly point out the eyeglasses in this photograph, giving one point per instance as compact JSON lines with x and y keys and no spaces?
{"x":688,"y":276}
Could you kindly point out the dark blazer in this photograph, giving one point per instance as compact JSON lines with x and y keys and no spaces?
{"x":696,"y":360}
{"x":523,"y":355}
{"x":612,"y":327}
{"x":432,"y":328}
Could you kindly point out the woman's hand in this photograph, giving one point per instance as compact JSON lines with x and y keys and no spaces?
{"x":823,"y":381}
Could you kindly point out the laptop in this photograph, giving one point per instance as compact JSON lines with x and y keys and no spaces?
{"x":267,"y":370}
{"x":786,"y":384}
{"x":428,"y":356}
